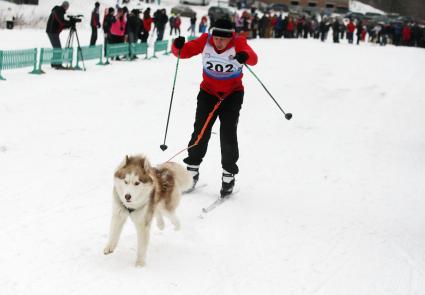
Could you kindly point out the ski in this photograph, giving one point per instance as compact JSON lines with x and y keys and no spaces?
{"x":217,"y":202}
{"x":191,"y":190}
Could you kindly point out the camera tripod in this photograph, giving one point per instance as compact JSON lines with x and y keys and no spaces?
{"x":70,"y":41}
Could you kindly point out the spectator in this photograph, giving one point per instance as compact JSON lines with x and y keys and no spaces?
{"x":55,"y":24}
{"x":118,"y":28}
{"x":119,"y":22}
{"x":290,"y":28}
{"x":147,"y":24}
{"x":134,"y":26}
{"x":94,"y":24}
{"x":192,"y":25}
{"x":406,"y":35}
{"x":171,"y":20}
{"x":203,"y":24}
{"x":254,"y":26}
{"x":107,"y":23}
{"x":10,"y":19}
{"x":335,"y":31}
{"x":160,"y":21}
{"x":350,"y":31}
{"x":177,"y":24}
{"x":359,"y":31}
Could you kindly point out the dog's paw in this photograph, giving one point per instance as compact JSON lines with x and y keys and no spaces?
{"x":140,"y":263}
{"x":108,"y":250}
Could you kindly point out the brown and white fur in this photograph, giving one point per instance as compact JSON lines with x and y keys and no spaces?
{"x":142,"y":192}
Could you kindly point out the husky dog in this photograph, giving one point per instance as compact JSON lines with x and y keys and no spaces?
{"x":142,"y":192}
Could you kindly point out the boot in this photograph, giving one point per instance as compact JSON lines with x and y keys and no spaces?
{"x":194,"y":171}
{"x":227,"y":184}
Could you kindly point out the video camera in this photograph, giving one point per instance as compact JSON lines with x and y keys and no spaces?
{"x":75,"y":19}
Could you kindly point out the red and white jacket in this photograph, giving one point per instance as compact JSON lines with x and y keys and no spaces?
{"x":222,"y":74}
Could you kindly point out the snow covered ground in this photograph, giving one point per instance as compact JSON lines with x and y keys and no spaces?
{"x":331,"y":202}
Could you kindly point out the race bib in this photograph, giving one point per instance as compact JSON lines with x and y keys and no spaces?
{"x":220,"y":66}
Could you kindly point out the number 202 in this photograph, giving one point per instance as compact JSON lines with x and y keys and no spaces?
{"x":219,"y":67}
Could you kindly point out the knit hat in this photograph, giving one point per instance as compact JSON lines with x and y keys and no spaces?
{"x":223,"y":28}
{"x":65,"y":5}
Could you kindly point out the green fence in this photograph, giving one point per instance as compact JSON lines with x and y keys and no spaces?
{"x":13,"y":59}
{"x":89,"y":53}
{"x":139,"y":48}
{"x":55,"y":56}
{"x":160,"y":46}
{"x":116,"y":50}
{"x":16,"y":59}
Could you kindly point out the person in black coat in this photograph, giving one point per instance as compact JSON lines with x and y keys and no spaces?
{"x":335,"y":31}
{"x":161,"y":21}
{"x":359,"y":31}
{"x":94,"y":24}
{"x":55,"y":24}
{"x":134,"y":28}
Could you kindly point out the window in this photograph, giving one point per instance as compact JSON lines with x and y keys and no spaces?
{"x":312,"y":4}
{"x":295,"y":3}
{"x":330,"y":5}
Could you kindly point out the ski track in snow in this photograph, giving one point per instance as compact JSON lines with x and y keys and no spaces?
{"x":330,"y":202}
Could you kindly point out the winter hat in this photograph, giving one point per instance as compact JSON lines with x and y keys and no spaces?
{"x":223,"y":28}
{"x":97,"y":4}
{"x":65,"y":5}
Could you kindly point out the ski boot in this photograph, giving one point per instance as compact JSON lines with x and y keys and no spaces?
{"x":194,"y":171}
{"x":227,"y":184}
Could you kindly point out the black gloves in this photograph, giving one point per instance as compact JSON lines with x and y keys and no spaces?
{"x":241,"y":57}
{"x":179,"y":42}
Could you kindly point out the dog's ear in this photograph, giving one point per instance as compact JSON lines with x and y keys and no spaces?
{"x":127,"y":160}
{"x":146,"y":165}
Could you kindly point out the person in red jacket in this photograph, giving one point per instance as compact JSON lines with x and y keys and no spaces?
{"x":406,"y":35}
{"x":351,"y":27}
{"x":221,"y":95}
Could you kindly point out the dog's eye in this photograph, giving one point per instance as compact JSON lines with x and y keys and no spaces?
{"x":136,"y":183}
{"x":125,"y":181}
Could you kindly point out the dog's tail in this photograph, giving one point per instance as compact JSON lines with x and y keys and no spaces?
{"x":183,"y":178}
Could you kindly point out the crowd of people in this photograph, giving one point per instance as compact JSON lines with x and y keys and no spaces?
{"x":354,"y":30}
{"x":269,"y":25}
{"x":121,"y":25}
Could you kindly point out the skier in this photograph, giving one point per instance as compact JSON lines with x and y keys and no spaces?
{"x":221,"y":95}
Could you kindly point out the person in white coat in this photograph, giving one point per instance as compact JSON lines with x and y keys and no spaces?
{"x":10,"y":19}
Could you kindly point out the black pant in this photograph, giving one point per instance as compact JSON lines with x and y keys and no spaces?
{"x":160,"y":34}
{"x":93,"y":38}
{"x":56,"y":43}
{"x":228,"y":113}
{"x":9,"y":25}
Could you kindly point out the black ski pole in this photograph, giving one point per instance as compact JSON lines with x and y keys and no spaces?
{"x":288,"y":116}
{"x":164,"y":146}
